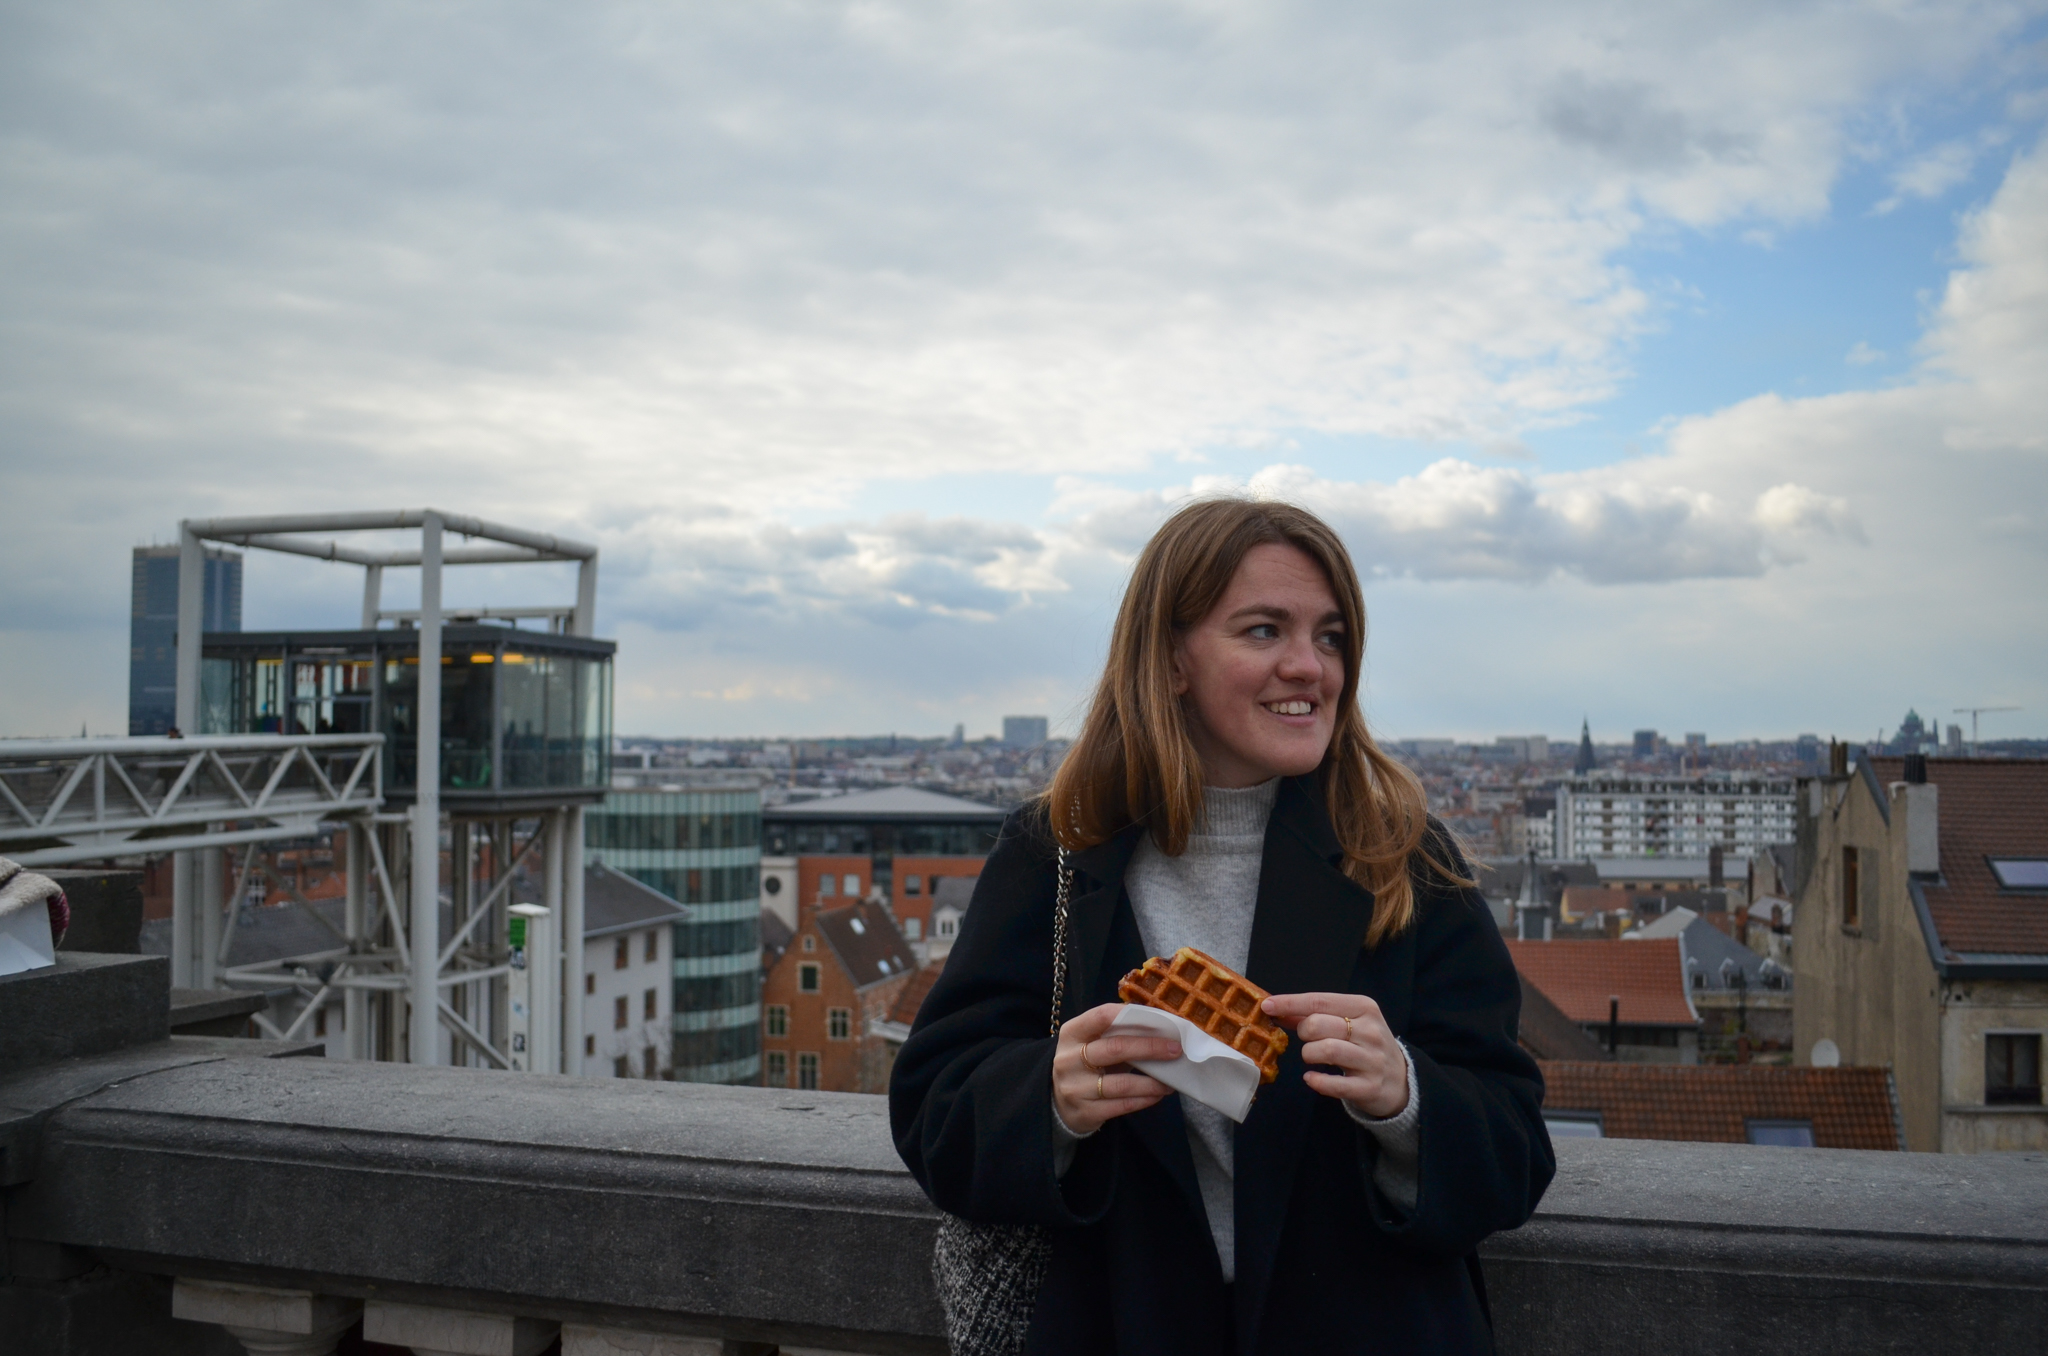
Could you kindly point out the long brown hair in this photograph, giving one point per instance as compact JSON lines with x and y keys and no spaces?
{"x":1134,"y":761}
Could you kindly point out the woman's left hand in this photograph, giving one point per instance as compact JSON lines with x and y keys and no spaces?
{"x":1346,"y":1031}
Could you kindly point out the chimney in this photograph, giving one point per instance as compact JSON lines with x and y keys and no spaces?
{"x":1613,"y":1026}
{"x":1716,"y":875}
{"x":1838,"y":758}
{"x":1920,"y":803}
{"x":1916,"y":769}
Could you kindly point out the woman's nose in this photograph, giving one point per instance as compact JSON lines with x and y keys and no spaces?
{"x":1298,"y":659}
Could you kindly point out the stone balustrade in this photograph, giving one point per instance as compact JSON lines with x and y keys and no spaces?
{"x":187,"y":1196}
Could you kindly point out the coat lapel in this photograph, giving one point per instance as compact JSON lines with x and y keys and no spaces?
{"x":1104,"y":944}
{"x":1307,"y":936}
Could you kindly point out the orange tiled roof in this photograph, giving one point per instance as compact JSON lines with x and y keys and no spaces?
{"x":1989,"y":808}
{"x":1579,"y":976}
{"x":904,"y":1009}
{"x":1850,"y":1108}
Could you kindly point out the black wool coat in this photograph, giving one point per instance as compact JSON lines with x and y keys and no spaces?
{"x":1324,"y":1262}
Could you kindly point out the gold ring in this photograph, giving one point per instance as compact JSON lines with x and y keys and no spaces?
{"x":1347,"y":1028}
{"x":1098,"y":1087}
{"x":1086,"y":1061}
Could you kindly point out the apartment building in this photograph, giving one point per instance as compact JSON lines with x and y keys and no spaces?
{"x":1622,"y":816}
{"x":628,"y":959}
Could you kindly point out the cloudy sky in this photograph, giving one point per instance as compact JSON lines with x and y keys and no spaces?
{"x":1680,"y":366}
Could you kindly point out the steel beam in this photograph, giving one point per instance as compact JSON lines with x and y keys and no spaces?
{"x":425,"y":1028}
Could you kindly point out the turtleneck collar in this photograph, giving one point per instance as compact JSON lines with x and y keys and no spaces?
{"x":1237,"y":812}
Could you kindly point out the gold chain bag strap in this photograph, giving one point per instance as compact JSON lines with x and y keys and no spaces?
{"x":988,"y":1275}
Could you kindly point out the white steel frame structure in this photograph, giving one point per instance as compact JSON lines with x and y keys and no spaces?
{"x":391,"y":943}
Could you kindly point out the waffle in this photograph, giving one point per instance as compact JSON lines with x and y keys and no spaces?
{"x":1215,"y":998}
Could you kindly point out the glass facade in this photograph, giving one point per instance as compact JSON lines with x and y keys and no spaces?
{"x":521,"y":712}
{"x":703,"y":848}
{"x":153,"y":628}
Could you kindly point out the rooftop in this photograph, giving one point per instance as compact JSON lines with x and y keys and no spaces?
{"x":887,"y":804}
{"x":615,"y":902}
{"x":954,"y":892}
{"x":1580,"y":976}
{"x":904,"y":1009}
{"x":866,"y":941}
{"x":1849,"y":1108}
{"x":1989,"y":808}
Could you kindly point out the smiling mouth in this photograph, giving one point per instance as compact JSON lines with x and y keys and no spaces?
{"x":1293,"y":708}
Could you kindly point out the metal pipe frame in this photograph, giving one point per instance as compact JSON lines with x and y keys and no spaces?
{"x":419,"y":963}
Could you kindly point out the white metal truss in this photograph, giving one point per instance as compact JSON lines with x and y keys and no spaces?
{"x":389,"y":948}
{"x":75,"y":800}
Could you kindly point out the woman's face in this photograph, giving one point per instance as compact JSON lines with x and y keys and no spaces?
{"x":1260,"y":676}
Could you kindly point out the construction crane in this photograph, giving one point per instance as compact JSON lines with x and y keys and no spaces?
{"x":1976,"y":711}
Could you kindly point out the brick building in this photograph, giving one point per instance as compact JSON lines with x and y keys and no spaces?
{"x":825,"y":999}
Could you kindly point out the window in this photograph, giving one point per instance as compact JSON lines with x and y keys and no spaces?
{"x":619,"y":1013}
{"x":913,"y":928}
{"x":807,"y":1071}
{"x":590,"y":982}
{"x":810,"y":942}
{"x":649,"y":1063}
{"x":649,"y":1006}
{"x":1852,"y":888}
{"x":807,"y":977}
{"x":1782,"y":1134}
{"x":620,"y":1069}
{"x":589,"y":1046}
{"x":1573,"y":1124}
{"x":653,"y":946}
{"x":778,"y":1069}
{"x":947,"y":925}
{"x":828,"y":884}
{"x":913,"y":885}
{"x":839,"y":1023}
{"x":2012,"y":1068}
{"x":622,"y":953}
{"x":778,"y":1019}
{"x":2021,"y":873}
{"x":772,"y":885}
{"x":851,"y":887}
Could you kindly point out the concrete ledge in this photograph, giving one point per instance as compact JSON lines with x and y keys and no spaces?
{"x":215,"y":1012}
{"x":87,"y":1003}
{"x":748,"y":1215}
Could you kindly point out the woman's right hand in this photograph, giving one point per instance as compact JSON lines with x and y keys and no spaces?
{"x":1091,"y":1083}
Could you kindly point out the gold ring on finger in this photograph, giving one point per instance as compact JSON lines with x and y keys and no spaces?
{"x":1347,"y":1028}
{"x":1098,"y":1087}
{"x":1088,"y":1062}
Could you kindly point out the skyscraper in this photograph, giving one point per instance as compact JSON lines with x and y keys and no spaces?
{"x":153,"y":629}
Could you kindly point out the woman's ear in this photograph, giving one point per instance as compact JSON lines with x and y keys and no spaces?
{"x":1181,"y":684}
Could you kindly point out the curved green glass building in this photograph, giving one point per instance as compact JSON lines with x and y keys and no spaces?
{"x":701,"y":847}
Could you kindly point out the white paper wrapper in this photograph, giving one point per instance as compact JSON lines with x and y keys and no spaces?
{"x":1208,"y":1070}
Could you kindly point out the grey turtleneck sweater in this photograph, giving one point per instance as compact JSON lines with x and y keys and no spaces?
{"x":1205,"y":898}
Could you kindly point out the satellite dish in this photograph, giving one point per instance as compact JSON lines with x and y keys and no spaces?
{"x":1826,"y":1054}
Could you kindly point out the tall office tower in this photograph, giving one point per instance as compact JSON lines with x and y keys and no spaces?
{"x":1024,"y":732}
{"x":153,"y":629}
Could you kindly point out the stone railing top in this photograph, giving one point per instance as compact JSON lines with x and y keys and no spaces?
{"x":786,"y":1216}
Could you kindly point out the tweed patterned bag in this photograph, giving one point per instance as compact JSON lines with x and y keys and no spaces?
{"x":988,"y":1275}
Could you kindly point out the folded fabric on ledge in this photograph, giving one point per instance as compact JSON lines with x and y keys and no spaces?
{"x":29,"y":934}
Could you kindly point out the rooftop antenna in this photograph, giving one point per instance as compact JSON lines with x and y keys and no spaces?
{"x":1974,"y":712}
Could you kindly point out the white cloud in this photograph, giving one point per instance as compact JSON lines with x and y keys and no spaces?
{"x":679,"y":278}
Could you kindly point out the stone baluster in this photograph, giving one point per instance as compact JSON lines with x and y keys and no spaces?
{"x":267,"y":1322}
{"x":432,"y":1331}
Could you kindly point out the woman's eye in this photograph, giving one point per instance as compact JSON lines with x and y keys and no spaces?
{"x":1264,"y":631}
{"x":1332,"y":639}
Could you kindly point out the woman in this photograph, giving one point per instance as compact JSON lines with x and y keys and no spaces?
{"x":1225,"y":794}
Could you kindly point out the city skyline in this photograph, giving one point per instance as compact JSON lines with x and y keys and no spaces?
{"x":1648,"y":365}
